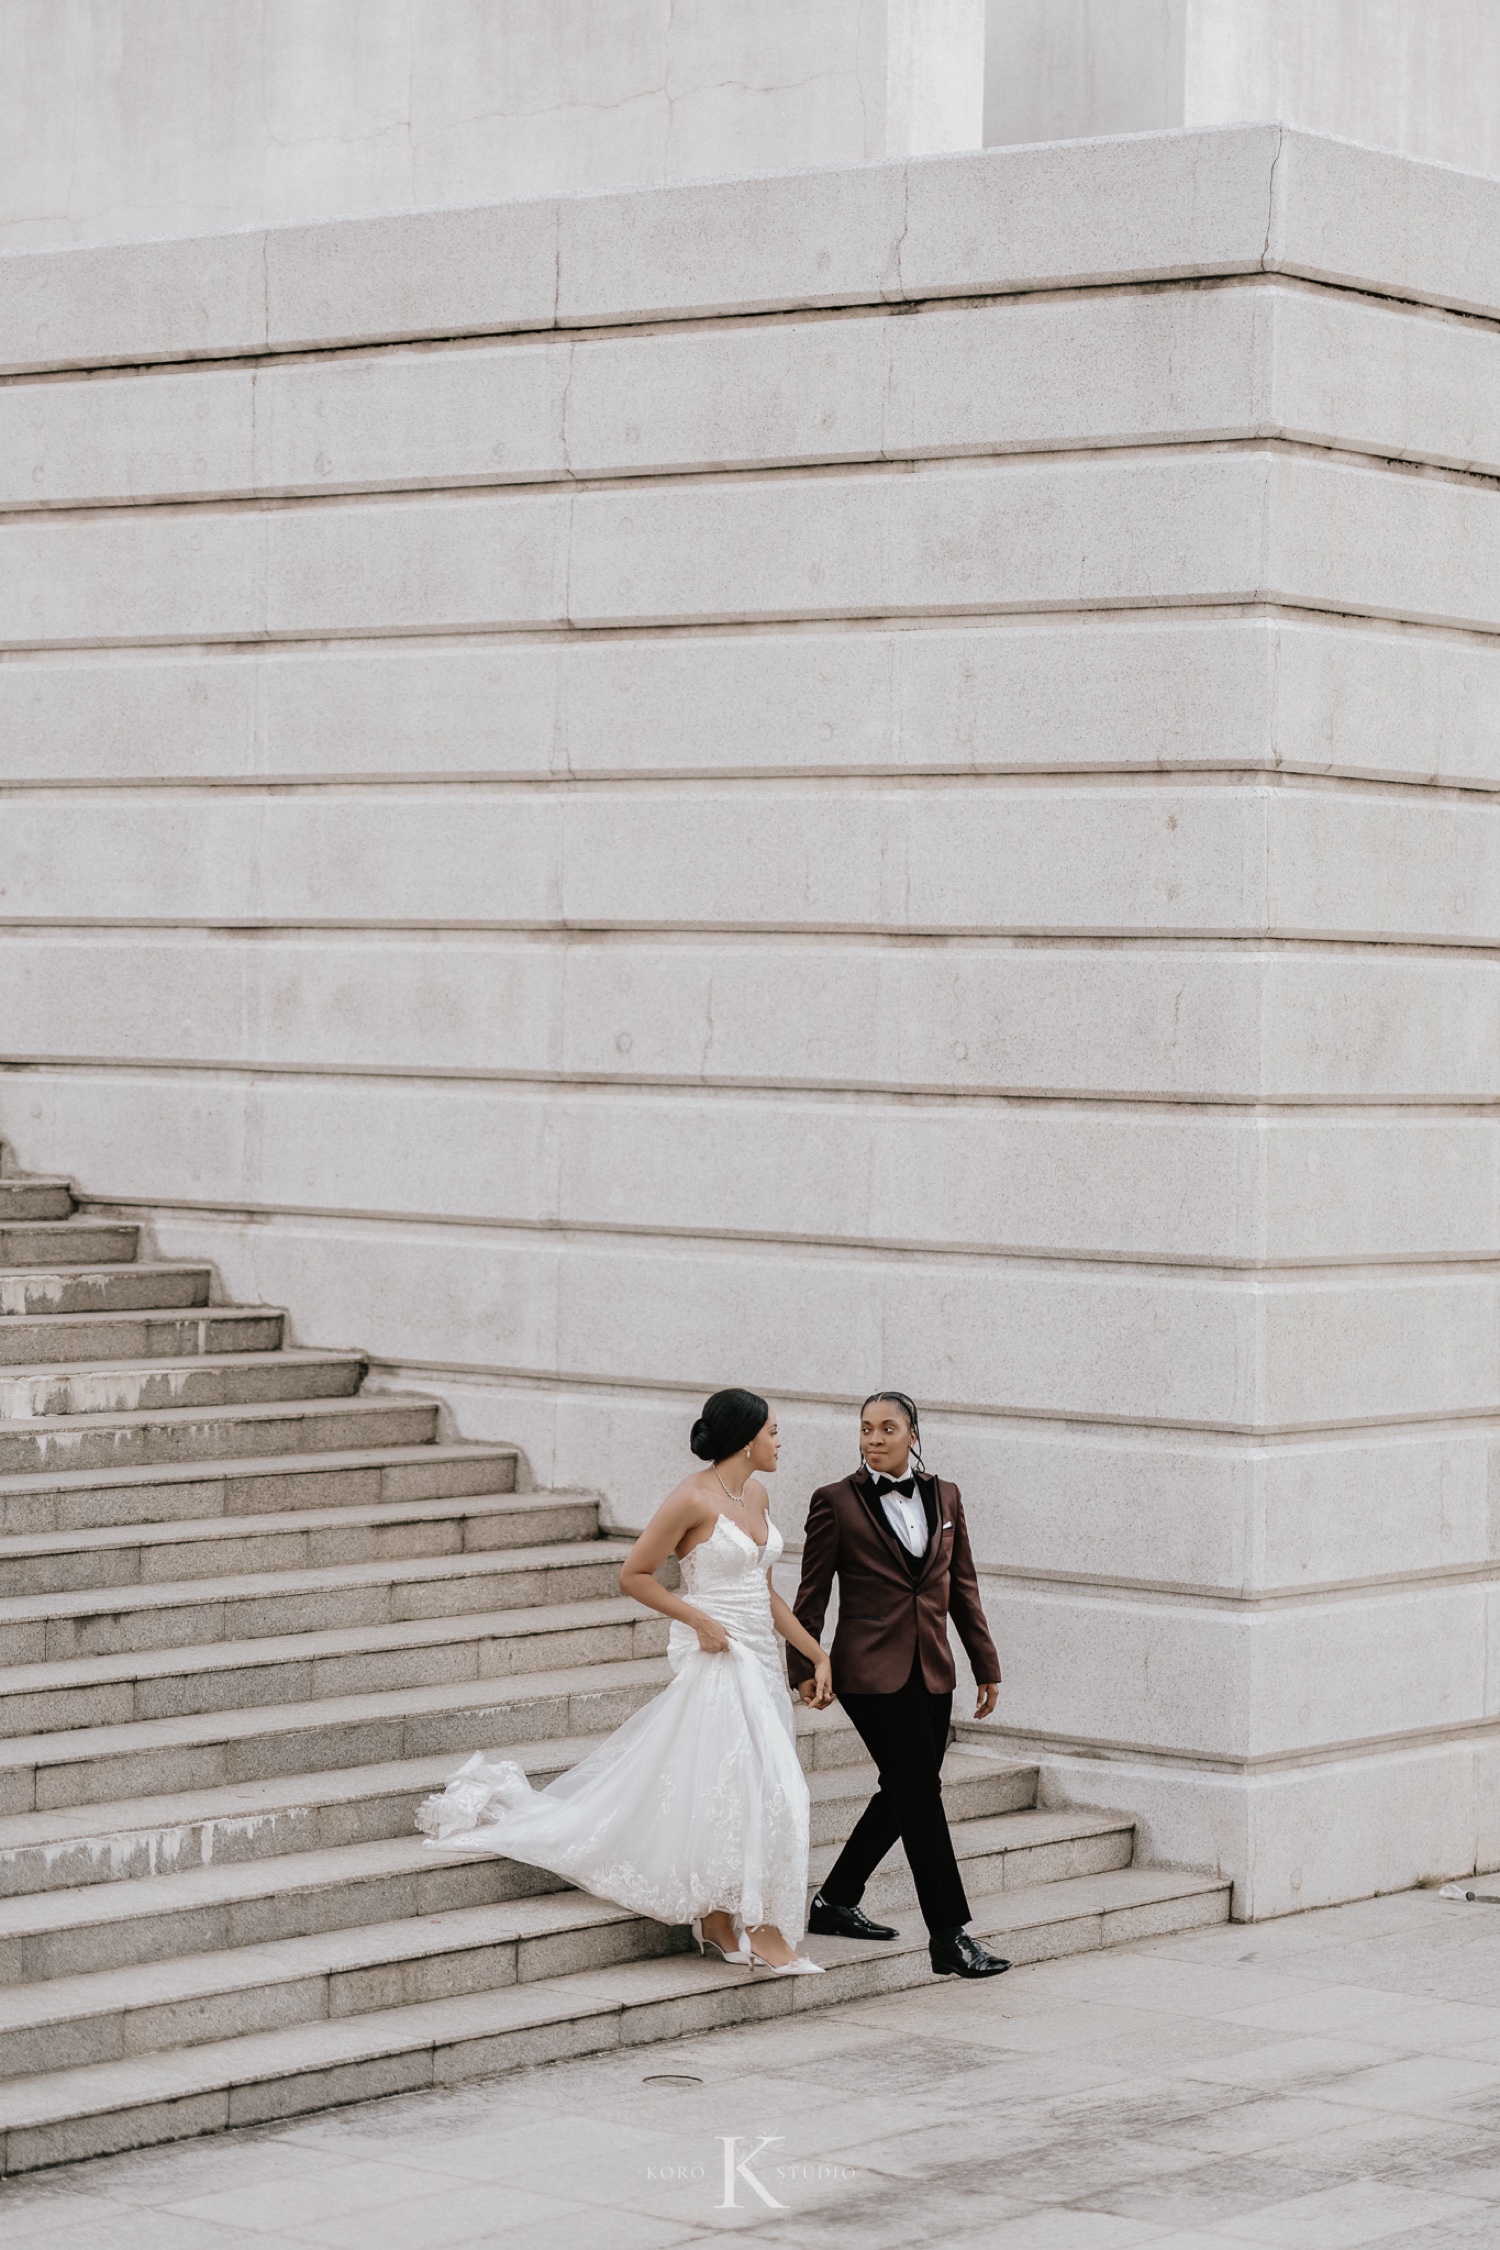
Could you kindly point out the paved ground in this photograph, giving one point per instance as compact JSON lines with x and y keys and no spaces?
{"x":1318,"y":2083}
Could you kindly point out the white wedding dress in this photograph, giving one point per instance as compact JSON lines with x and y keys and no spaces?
{"x":697,"y":1803}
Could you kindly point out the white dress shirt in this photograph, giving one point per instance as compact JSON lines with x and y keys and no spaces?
{"x":908,"y":1520}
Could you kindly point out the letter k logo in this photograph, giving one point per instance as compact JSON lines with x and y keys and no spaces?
{"x":741,"y":2166}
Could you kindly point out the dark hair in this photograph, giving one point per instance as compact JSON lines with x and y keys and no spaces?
{"x":909,"y":1409}
{"x":730,"y":1420}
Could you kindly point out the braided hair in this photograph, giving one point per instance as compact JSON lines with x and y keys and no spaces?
{"x":909,"y":1409}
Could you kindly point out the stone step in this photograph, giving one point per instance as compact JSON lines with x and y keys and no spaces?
{"x":78,"y":1845}
{"x":91,"y":2016}
{"x":48,"y":1339}
{"x":34,"y":1198}
{"x":91,"y":1563}
{"x":86,"y":1844}
{"x":213,"y":1434}
{"x":59,"y":1628}
{"x":250,"y":1619}
{"x":60,"y":2115}
{"x":214,"y":1749}
{"x":1003,"y":1853}
{"x":58,"y":1290}
{"x":204,"y":1379}
{"x":67,"y":1243}
{"x":210,"y":1909}
{"x":286,"y":1979}
{"x":300,"y":1668}
{"x":161,"y":1494}
{"x":225,"y":1749}
{"x":974,"y":1789}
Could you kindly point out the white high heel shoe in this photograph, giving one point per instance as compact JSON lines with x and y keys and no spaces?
{"x":740,"y":1958}
{"x":798,"y":1966}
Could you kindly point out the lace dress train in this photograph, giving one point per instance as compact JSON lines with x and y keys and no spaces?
{"x":698,"y":1803}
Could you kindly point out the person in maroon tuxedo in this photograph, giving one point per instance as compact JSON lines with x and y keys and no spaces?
{"x":893,"y":1535}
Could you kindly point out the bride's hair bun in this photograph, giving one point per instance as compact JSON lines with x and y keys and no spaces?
{"x":729,"y":1421}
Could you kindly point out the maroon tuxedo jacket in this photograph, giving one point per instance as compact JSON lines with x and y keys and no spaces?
{"x":889,"y":1606}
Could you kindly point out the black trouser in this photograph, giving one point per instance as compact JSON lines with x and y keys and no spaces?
{"x":906,"y":1734}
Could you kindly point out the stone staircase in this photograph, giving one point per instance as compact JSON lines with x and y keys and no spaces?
{"x":249,"y":1617}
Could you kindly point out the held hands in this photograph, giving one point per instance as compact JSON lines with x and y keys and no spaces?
{"x":989,"y":1696}
{"x":817,"y":1693}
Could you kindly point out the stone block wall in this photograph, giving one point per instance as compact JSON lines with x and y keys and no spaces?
{"x":884,"y":776}
{"x":1422,"y":76}
{"x":121,"y":118}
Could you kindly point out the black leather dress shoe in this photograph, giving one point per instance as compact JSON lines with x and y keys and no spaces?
{"x":956,"y":1954}
{"x":827,"y":1920}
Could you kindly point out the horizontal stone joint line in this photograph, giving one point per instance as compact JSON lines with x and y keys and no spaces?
{"x":1240,"y":1601}
{"x":503,"y":1375}
{"x":1028,"y":1743}
{"x":1263,"y":440}
{"x":809,"y":309}
{"x":729,"y":1086}
{"x":1256,"y":602}
{"x":1084,"y":1259}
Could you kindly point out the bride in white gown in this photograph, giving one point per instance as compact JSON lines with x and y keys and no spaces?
{"x":696,"y":1809}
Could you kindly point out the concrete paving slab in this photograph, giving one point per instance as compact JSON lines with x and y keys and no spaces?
{"x":953,"y":2116}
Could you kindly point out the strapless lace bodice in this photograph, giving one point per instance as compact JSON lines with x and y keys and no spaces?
{"x":730,"y":1576}
{"x":728,"y":1561}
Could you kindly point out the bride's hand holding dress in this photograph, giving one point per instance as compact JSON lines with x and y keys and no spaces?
{"x":712,"y":1638}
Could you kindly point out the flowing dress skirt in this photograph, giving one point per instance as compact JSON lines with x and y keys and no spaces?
{"x":697,"y":1804}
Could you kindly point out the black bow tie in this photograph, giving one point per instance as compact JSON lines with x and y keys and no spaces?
{"x":906,"y":1486}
